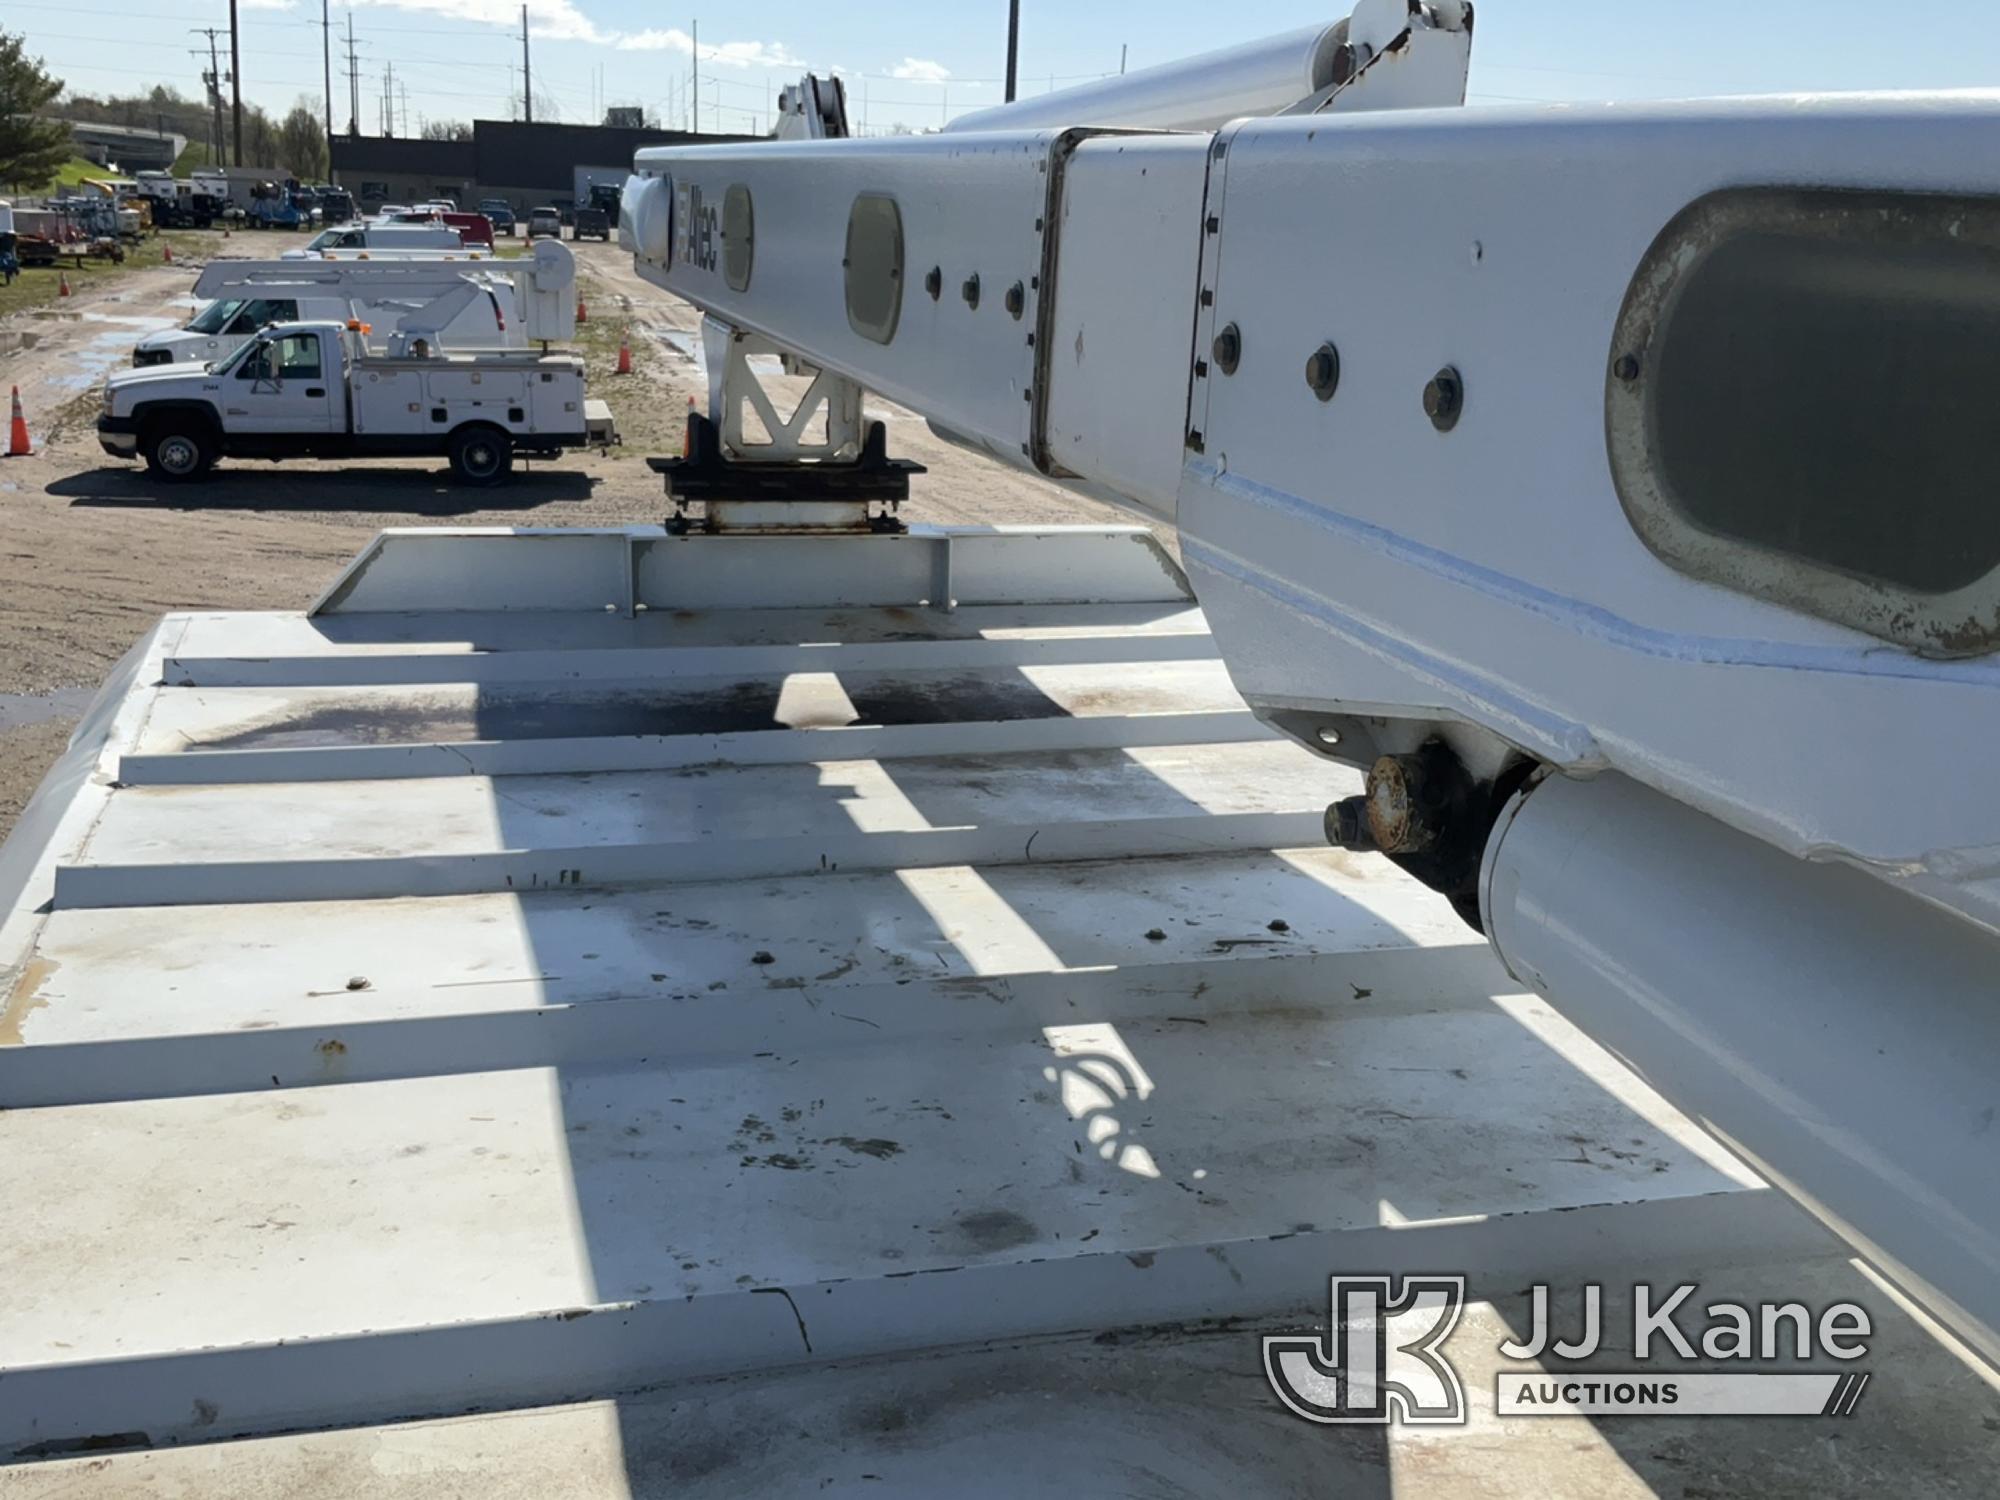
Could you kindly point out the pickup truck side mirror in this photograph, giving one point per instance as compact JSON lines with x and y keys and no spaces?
{"x":257,"y":365}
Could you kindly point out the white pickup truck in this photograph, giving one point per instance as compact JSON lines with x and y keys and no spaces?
{"x":314,"y":390}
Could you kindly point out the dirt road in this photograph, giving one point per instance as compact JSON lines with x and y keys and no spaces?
{"x":94,"y":553}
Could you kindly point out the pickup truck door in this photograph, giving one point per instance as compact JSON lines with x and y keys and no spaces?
{"x":286,"y":383}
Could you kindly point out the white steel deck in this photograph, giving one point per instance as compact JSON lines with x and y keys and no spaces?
{"x":418,"y":1009}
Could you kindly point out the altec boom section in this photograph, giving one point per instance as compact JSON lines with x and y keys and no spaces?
{"x":1508,"y":449}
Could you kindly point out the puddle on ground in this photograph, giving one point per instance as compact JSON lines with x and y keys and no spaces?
{"x":107,"y":351}
{"x":19,"y":710}
{"x":687,"y":344}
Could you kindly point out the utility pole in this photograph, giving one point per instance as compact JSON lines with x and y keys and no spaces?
{"x":353,"y":81}
{"x":1013,"y":44}
{"x":389,"y":99}
{"x":326,"y":58}
{"x":213,"y":78}
{"x":527,"y":78}
{"x":694,"y":50}
{"x":1121,"y":58}
{"x":236,"y":81}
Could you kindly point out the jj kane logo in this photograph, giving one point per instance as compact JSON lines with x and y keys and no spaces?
{"x":1382,"y":1358}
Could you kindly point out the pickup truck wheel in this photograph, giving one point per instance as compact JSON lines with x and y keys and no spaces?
{"x":481,"y":455}
{"x":177,"y":452}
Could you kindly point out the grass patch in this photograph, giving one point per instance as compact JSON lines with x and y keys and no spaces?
{"x":194,"y":157}
{"x":39,"y":287}
{"x":68,"y":175}
{"x":73,"y":172}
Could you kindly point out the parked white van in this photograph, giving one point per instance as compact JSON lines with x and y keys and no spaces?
{"x":379,"y":237}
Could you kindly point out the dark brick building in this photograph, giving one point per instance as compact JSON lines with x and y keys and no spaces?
{"x":523,"y":163}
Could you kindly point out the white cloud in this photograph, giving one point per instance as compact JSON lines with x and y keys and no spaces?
{"x":922,"y":69}
{"x":752,"y":55}
{"x":557,"y":20}
{"x":563,"y":21}
{"x":727,"y":55}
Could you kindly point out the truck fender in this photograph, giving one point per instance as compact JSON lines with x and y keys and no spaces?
{"x":148,"y":412}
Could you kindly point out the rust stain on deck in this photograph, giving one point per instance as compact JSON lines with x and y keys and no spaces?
{"x":25,"y":998}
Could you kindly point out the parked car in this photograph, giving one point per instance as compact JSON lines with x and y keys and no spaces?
{"x":475,"y":230}
{"x":380,"y":237}
{"x":593,"y":223}
{"x":500,"y":213}
{"x":546,"y":220}
{"x":272,"y":206}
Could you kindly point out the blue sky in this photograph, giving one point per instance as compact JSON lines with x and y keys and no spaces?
{"x":915,"y":64}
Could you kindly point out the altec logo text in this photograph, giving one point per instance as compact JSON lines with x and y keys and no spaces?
{"x":1382,"y":1359}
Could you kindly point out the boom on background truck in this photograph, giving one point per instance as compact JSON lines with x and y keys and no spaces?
{"x":245,"y":295}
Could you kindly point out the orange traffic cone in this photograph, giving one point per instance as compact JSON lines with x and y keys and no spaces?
{"x":624,"y":355}
{"x":582,"y":312}
{"x":62,"y":284}
{"x":17,"y":431}
{"x":167,"y":254}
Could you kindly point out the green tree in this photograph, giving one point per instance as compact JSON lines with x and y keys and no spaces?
{"x":30,"y":148}
{"x":301,"y":144}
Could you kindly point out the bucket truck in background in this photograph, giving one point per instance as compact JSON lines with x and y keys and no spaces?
{"x":453,"y":376}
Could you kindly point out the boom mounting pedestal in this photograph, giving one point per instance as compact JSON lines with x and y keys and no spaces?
{"x":797,"y":473}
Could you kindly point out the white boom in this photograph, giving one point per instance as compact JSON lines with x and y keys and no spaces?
{"x":1601,"y":479}
{"x":543,"y":284}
